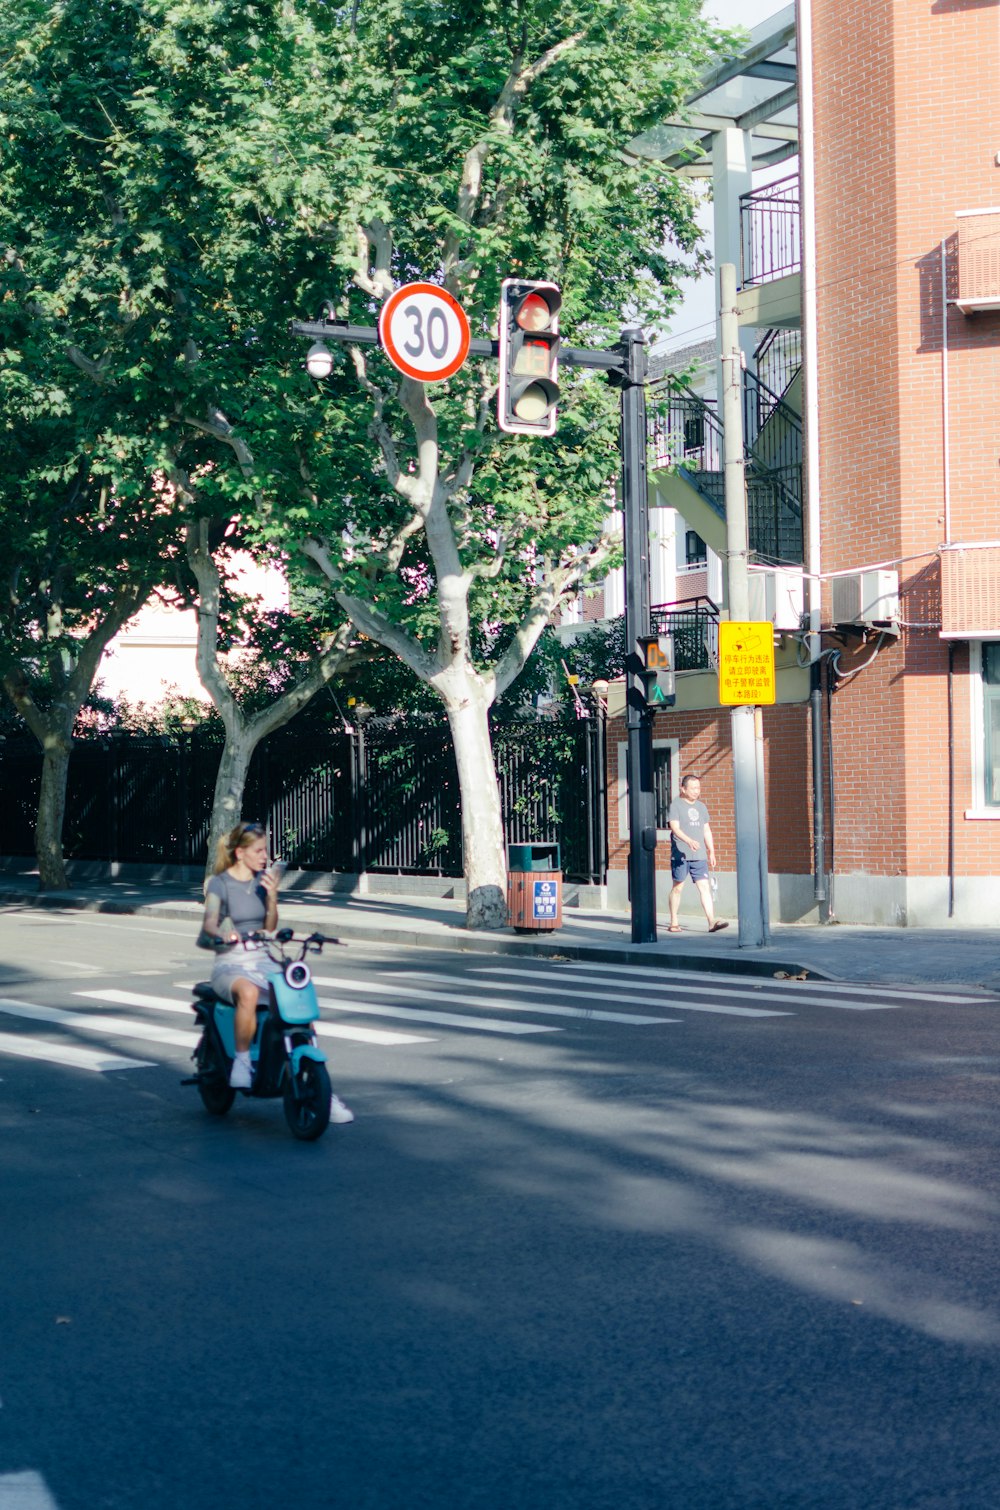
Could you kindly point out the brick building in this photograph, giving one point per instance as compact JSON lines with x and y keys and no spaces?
{"x":855,"y":162}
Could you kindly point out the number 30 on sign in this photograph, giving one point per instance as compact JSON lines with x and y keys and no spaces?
{"x":424,"y":332}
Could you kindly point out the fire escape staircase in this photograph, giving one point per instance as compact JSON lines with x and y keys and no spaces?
{"x":687,"y":467}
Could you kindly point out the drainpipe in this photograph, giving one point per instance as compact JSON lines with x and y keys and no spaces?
{"x":819,"y":815}
{"x":945,"y":421}
{"x":810,"y":417}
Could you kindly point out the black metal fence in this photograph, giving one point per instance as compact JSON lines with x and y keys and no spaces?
{"x":382,"y":799}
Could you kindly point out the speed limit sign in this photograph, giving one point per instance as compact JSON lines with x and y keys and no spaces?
{"x":424,"y":332}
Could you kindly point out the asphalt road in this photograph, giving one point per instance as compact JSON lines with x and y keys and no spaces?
{"x":739,"y":1254}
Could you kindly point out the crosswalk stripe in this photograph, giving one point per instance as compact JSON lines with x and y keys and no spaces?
{"x":138,"y":999}
{"x":370,"y":1035}
{"x":127,"y":1027}
{"x":73,"y":1056}
{"x":168,"y":1004}
{"x":805,"y":987}
{"x":547,"y":1009}
{"x":347,"y":1002}
{"x":681,"y":989}
{"x":600,"y":1016}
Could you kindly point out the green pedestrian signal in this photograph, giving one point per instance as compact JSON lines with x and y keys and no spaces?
{"x":656,"y":656}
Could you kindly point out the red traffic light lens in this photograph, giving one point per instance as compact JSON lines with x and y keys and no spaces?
{"x":534,"y":313}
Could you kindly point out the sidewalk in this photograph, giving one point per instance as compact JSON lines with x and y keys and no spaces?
{"x":930,"y":956}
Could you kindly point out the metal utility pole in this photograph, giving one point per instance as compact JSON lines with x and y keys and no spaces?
{"x":638,"y":719}
{"x":748,"y":796}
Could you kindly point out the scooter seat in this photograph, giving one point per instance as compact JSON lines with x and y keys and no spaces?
{"x":204,"y":992}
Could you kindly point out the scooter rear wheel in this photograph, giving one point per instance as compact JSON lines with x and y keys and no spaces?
{"x":308,"y":1113}
{"x":213,"y":1086}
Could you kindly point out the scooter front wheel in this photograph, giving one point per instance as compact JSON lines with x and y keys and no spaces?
{"x":213,"y":1085}
{"x":308,"y":1112}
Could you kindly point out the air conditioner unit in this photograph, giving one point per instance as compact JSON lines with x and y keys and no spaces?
{"x":866,"y":597}
{"x":777,"y":593}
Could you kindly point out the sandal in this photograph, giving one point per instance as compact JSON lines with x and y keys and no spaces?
{"x":716,"y":926}
{"x":675,"y":930}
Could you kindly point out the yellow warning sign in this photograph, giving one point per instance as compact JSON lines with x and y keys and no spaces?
{"x":746,"y":663}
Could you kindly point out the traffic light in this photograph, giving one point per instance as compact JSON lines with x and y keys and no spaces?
{"x":529,"y":357}
{"x":656,"y":653}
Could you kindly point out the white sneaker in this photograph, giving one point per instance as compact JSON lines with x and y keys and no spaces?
{"x":338,"y":1111}
{"x":241,"y":1074}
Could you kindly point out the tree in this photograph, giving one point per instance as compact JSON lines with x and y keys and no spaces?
{"x":480,"y":141}
{"x":182,"y":176}
{"x":121,"y":342}
{"x":291,"y":677}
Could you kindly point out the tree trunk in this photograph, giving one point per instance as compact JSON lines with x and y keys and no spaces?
{"x":482,"y":820}
{"x":230,"y":781}
{"x":51,"y":812}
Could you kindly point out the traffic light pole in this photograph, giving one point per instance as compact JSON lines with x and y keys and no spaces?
{"x":625,"y":367}
{"x":638,"y":720}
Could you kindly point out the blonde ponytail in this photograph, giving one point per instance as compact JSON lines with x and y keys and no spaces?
{"x":229,"y":844}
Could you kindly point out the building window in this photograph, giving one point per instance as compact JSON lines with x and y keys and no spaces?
{"x":694,"y":434}
{"x":695,"y":549}
{"x":666,"y":780}
{"x":663,"y":760}
{"x":991,"y":721}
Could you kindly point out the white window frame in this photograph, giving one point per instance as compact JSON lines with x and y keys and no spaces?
{"x":980,"y":809}
{"x":621,"y":782}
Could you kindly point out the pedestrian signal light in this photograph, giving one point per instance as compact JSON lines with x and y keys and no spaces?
{"x":529,"y":357}
{"x":656,"y":656}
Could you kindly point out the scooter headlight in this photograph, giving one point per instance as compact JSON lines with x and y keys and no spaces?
{"x":298,"y":975}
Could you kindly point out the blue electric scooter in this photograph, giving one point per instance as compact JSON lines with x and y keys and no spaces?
{"x":286,"y":1059}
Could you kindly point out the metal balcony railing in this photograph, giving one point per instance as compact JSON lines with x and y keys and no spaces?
{"x":778,"y":357}
{"x":685,"y":435}
{"x":694,"y":624}
{"x":770,"y":231}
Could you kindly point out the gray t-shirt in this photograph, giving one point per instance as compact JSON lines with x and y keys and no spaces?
{"x":243,"y":901}
{"x":692,"y":817}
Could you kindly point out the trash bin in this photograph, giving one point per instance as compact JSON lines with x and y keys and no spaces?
{"x":534,"y":887}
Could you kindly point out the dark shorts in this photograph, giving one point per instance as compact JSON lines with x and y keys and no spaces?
{"x":681,"y":867}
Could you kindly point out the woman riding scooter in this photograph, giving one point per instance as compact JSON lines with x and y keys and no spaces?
{"x":241,"y":898}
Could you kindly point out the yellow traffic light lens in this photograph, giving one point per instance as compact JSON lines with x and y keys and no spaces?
{"x":534,"y":313}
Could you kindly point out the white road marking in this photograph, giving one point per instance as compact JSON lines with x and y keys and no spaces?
{"x":168,"y":1004}
{"x":677,"y":1002}
{"x":138,"y":999}
{"x":369,"y":1035}
{"x":76,"y":964}
{"x":76,"y":1058}
{"x":574,"y":990}
{"x":126,"y":1027}
{"x":182,"y":931}
{"x":347,"y":1002}
{"x":547,"y":1009}
{"x":663,"y":977}
{"x":25,"y":1491}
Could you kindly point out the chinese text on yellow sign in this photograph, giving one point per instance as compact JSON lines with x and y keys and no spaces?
{"x":746,"y":663}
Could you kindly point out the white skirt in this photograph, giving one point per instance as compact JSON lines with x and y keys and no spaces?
{"x":252,"y":964}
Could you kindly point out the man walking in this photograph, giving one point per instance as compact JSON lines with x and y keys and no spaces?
{"x":692,"y":851}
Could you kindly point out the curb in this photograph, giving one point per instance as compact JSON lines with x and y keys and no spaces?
{"x":546,"y":947}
